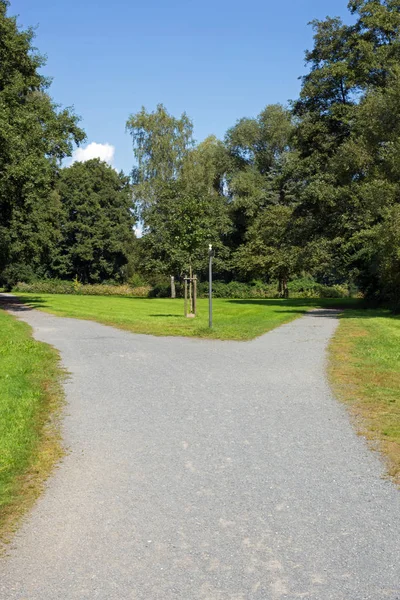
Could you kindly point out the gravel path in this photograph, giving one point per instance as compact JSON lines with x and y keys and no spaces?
{"x":205,"y":470}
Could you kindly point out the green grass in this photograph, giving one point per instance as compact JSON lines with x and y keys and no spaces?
{"x":365,"y":371}
{"x":232,"y":319}
{"x":29,"y":394}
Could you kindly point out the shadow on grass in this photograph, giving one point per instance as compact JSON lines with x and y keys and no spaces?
{"x":167,"y":315}
{"x":16,"y":304}
{"x":312,"y":302}
{"x":344,"y":308}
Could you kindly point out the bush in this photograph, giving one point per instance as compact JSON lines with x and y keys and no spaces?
{"x":298,"y":288}
{"x":304,"y":287}
{"x":307,"y":287}
{"x":237,"y":289}
{"x":137,"y":281}
{"x":14,"y":273}
{"x":47,"y":286}
{"x":333,"y":291}
{"x":160,"y":290}
{"x":99,"y":289}
{"x":57,"y":286}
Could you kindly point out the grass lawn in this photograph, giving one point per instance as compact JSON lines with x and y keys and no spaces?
{"x":232,"y":319}
{"x":29,"y":394}
{"x":365,"y":373}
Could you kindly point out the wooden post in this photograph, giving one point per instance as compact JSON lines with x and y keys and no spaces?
{"x":173,"y":290}
{"x":186,"y":296}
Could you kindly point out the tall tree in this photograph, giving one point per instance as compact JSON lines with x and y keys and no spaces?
{"x":160,"y":144}
{"x":348,"y":112}
{"x":35,"y":135}
{"x":179,"y":189}
{"x":97,"y":220}
{"x":191,"y":211}
{"x":261,"y":197}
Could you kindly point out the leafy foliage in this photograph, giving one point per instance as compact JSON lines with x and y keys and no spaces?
{"x":348,"y":139}
{"x":97,"y":222}
{"x":60,"y":286}
{"x":35,"y":135}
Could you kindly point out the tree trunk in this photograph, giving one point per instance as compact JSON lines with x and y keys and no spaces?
{"x":280,"y":287}
{"x":173,"y":289}
{"x":285,"y":289}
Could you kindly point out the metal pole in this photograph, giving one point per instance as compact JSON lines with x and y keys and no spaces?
{"x":195,"y":295}
{"x":185,"y":309}
{"x":210,"y":253}
{"x":190,"y":290}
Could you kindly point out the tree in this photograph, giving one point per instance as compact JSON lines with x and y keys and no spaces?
{"x":261,"y":198}
{"x":160,"y":144}
{"x":35,"y":135}
{"x":347,"y":136}
{"x":269,"y":250}
{"x":190,"y":212}
{"x":96,"y":224}
{"x":180,"y":192}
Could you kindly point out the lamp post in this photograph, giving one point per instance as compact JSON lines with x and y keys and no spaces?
{"x":210,"y":255}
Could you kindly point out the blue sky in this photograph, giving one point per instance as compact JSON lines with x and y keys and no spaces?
{"x":218,"y":60}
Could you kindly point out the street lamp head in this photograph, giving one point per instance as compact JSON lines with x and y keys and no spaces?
{"x":210,"y":247}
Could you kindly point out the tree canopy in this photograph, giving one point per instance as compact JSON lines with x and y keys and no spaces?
{"x":96,"y":222}
{"x":35,"y":135}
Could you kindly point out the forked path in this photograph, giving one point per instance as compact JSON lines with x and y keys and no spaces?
{"x":205,"y":470}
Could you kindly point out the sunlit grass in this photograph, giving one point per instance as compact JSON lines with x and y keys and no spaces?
{"x":29,"y":394}
{"x":232,"y":319}
{"x":365,"y":370}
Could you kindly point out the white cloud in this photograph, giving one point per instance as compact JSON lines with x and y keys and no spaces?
{"x":94,"y":150}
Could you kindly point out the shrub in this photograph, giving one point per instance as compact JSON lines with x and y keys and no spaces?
{"x":298,"y":288}
{"x":160,"y":290}
{"x":14,"y":273}
{"x":47,"y":286}
{"x":307,"y":287}
{"x":137,"y":281}
{"x":237,"y":289}
{"x":56,"y":286}
{"x":333,"y":291}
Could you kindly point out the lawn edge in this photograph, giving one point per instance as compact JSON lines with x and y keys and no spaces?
{"x":47,"y":454}
{"x":346,"y":381}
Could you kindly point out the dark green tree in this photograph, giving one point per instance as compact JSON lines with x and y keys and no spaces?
{"x":97,"y":221}
{"x":262,"y":200}
{"x":35,"y":135}
{"x":347,"y":136}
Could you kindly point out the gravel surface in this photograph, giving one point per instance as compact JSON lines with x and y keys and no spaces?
{"x":205,"y":470}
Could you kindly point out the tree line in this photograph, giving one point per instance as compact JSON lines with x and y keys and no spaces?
{"x":312,"y":187}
